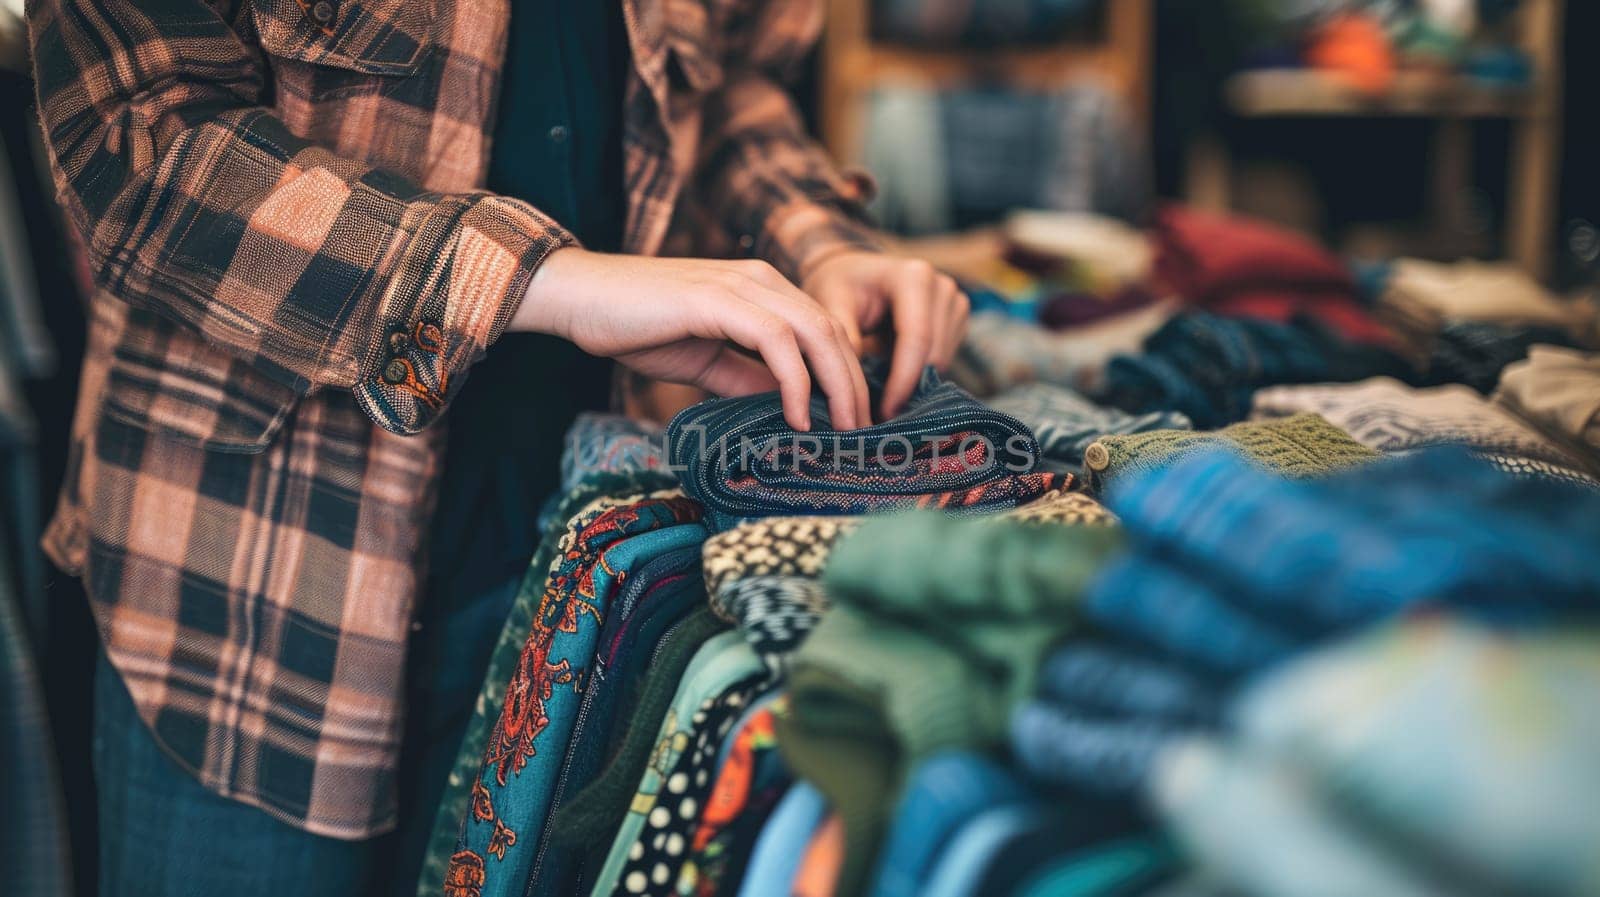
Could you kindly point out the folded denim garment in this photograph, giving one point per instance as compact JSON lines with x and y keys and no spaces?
{"x":959,"y":872}
{"x":943,"y":792}
{"x":778,"y":849}
{"x":1208,"y":367}
{"x":1111,"y":681}
{"x":1065,"y":422}
{"x":1233,"y":569}
{"x":1474,"y":353}
{"x":741,"y":460}
{"x":1097,"y":755}
{"x":1301,"y":445}
{"x":1430,"y":757}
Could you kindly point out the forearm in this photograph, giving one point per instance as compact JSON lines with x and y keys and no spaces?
{"x":772,"y":187}
{"x":197,"y":202}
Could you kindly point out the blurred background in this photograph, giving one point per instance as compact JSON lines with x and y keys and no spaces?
{"x":1381,"y":129}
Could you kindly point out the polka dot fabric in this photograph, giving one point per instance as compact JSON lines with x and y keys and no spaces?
{"x":657,"y":857}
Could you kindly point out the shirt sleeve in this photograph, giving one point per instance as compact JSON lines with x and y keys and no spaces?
{"x":196,"y":202}
{"x":762,"y":178}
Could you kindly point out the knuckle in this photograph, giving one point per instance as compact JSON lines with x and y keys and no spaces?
{"x":778,"y":329}
{"x":759,"y":270}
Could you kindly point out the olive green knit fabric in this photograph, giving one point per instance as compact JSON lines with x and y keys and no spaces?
{"x":1303,"y":445}
{"x":937,"y":631}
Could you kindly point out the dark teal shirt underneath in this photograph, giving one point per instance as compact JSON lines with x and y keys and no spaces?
{"x":557,"y":145}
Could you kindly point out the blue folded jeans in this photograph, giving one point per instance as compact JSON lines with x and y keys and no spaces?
{"x":162,"y":834}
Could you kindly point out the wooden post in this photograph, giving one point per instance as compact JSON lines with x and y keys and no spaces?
{"x":1535,"y":144}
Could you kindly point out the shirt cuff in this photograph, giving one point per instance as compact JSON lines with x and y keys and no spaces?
{"x":455,"y":288}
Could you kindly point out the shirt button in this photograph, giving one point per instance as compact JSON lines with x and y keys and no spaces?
{"x":1097,"y":456}
{"x":430,"y":337}
{"x":398,"y":341}
{"x":322,"y":13}
{"x":558,"y":134}
{"x":746,"y":242}
{"x":395,"y":372}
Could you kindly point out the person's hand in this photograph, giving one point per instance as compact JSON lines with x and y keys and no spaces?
{"x":866,"y":290}
{"x":683,"y":320}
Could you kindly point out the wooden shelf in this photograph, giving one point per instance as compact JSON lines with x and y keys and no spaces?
{"x":1303,"y":92}
{"x":1452,"y":104}
{"x":853,"y":63}
{"x":1036,"y":68}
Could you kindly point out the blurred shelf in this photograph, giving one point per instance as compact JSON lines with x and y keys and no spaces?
{"x":1303,"y":92}
{"x":853,"y":63}
{"x":1034,"y":68}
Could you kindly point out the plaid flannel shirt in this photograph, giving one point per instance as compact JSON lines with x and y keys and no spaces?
{"x":295,"y":269}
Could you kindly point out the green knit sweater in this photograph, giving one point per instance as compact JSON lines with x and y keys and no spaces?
{"x":1303,"y":445}
{"x":938,"y":630}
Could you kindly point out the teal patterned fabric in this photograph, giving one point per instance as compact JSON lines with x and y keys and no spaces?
{"x":596,"y":514}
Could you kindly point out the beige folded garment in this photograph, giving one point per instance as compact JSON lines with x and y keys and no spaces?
{"x":1426,"y":295}
{"x":1387,"y":415}
{"x":1557,"y":390}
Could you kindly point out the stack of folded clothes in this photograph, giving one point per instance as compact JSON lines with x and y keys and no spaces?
{"x":741,"y":460}
{"x":1233,"y":571}
{"x":1272,"y":610}
{"x":925,"y":654}
{"x":1240,"y":267}
{"x":1422,"y":297}
{"x":1209,"y":367}
{"x":1389,"y":416}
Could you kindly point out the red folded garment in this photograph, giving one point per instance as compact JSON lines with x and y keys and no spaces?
{"x":1066,"y":310}
{"x":1247,"y":268}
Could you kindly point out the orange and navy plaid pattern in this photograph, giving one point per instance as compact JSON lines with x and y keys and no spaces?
{"x":295,"y":269}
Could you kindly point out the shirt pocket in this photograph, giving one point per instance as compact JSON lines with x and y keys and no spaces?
{"x":168,"y":381}
{"x":326,"y":48}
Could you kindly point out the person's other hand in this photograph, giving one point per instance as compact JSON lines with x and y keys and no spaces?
{"x":866,"y":290}
{"x":684,"y":320}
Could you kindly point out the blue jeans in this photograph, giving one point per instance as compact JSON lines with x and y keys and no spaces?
{"x":164,"y":835}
